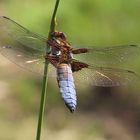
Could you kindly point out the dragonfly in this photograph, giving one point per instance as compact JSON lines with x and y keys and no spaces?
{"x":28,"y":50}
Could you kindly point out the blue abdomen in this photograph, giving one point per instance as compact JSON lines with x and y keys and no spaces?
{"x":66,"y":85}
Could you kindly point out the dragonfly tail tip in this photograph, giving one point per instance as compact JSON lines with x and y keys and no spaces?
{"x":72,"y":110}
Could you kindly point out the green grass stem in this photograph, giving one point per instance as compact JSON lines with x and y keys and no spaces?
{"x":45,"y":76}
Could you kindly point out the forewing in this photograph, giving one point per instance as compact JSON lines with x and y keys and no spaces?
{"x":21,"y":46}
{"x":109,"y":55}
{"x":105,"y":77}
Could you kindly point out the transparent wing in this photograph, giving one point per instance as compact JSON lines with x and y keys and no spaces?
{"x":109,"y":55}
{"x":31,"y":62}
{"x":20,"y":34}
{"x":21,"y":46}
{"x":105,"y":77}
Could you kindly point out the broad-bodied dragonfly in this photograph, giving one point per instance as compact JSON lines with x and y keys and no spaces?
{"x":28,"y":50}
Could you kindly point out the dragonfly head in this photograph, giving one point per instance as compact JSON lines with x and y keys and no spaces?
{"x":58,"y":35}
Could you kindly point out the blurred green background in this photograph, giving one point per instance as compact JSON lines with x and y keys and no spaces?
{"x":103,"y":113}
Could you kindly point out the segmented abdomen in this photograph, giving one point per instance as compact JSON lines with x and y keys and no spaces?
{"x":66,"y":85}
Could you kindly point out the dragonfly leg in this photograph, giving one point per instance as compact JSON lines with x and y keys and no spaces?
{"x":81,"y":50}
{"x":76,"y":66}
{"x":53,"y":60}
{"x":58,"y":35}
{"x":53,"y":44}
